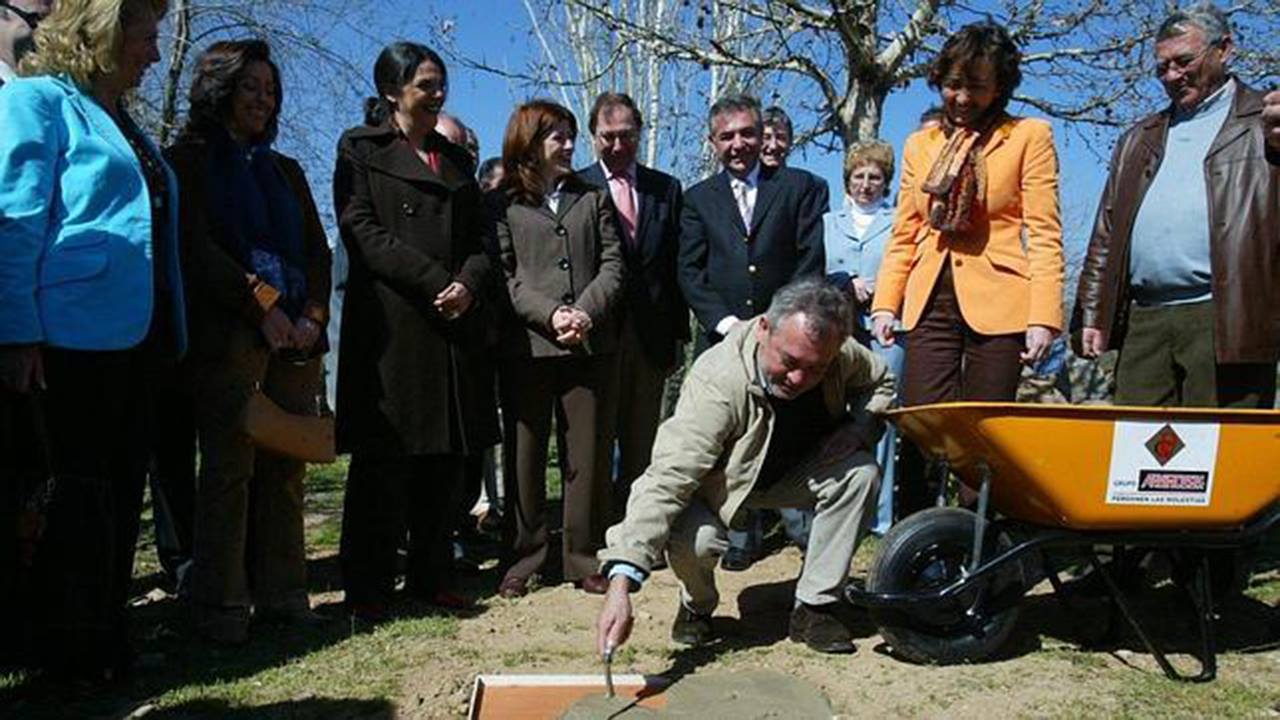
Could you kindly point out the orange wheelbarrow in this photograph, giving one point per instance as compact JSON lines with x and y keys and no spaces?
{"x":1199,"y":485}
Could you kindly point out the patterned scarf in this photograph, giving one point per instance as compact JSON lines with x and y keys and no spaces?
{"x":958,"y":179}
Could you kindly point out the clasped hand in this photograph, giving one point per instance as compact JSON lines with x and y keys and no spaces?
{"x":281,"y":334}
{"x":571,"y":325}
{"x":453,"y":301}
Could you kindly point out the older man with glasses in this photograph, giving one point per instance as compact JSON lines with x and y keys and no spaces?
{"x":1182,"y":267}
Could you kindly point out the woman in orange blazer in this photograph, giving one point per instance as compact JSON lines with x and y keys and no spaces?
{"x":974,"y":268}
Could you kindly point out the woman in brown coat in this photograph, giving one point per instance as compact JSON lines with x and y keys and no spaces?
{"x":256,"y":264}
{"x":415,"y":382}
{"x":558,"y":243}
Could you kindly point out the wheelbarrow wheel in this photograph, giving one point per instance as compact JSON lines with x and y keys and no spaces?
{"x":927,"y":552}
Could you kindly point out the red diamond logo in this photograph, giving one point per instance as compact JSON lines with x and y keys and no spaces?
{"x":1164,"y":445}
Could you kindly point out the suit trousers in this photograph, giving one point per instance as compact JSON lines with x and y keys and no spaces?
{"x":386,"y":497}
{"x":96,"y":414}
{"x":641,"y":385}
{"x":948,"y":361}
{"x":1168,"y":359}
{"x":580,"y":390}
{"x":247,"y":545}
{"x":841,"y":491}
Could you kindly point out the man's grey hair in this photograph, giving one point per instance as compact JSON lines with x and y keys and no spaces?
{"x":826,"y":308}
{"x":733,"y":103}
{"x":1210,"y":18}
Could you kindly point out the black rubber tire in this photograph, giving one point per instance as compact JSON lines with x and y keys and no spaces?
{"x":926,"y":551}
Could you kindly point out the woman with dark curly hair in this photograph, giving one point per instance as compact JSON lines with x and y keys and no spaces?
{"x":257,"y":267}
{"x":974,"y":269}
{"x":559,"y":245}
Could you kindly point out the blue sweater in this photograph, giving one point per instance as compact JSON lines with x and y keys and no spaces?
{"x":1169,"y":255}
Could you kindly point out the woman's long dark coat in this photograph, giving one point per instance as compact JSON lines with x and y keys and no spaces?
{"x":411,"y":382}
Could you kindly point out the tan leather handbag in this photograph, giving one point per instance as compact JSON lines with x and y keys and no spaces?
{"x":302,"y":437}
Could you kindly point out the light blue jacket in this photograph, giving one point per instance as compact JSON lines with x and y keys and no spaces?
{"x":75,"y":224}
{"x":849,"y":254}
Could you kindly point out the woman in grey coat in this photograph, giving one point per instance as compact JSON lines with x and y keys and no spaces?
{"x":559,"y":248}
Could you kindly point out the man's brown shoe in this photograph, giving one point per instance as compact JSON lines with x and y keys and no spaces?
{"x":819,"y":628}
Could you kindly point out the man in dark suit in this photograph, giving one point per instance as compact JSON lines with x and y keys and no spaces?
{"x":745,"y":232}
{"x":655,"y":319}
{"x":748,"y":230}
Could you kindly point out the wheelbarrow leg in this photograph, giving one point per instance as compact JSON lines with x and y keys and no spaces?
{"x":1207,"y":658}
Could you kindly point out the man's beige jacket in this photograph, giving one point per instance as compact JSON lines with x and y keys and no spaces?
{"x":713,"y":446}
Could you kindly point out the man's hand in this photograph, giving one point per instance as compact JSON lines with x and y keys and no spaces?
{"x":1271,"y":119}
{"x":614,"y":625}
{"x":454,"y":300}
{"x":1039,"y":338}
{"x":21,"y":368}
{"x":882,"y":326}
{"x":1091,"y":342}
{"x":277,"y":330}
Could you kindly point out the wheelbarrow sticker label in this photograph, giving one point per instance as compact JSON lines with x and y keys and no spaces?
{"x":1162,"y":463}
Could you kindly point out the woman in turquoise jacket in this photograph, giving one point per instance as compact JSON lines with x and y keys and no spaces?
{"x":90,"y":305}
{"x":854,"y":238}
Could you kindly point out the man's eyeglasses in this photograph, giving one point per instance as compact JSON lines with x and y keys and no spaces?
{"x":625,"y":136}
{"x":30,"y":18}
{"x":1181,"y":63}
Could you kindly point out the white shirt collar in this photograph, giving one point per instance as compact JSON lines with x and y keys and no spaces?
{"x":630,"y":172}
{"x":751,"y":180}
{"x":7,"y":72}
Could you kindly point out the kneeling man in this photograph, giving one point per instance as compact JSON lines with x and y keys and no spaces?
{"x":784,"y":413}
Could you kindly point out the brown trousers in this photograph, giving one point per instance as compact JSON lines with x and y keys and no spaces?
{"x":580,"y":391}
{"x":948,"y":361}
{"x":640,"y":388}
{"x":247,"y":546}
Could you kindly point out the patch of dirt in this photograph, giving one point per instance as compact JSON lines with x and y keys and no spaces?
{"x":551,"y":631}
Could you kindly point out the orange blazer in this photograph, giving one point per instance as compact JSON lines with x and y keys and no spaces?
{"x":1008,"y":268}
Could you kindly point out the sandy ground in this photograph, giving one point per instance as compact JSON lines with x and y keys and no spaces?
{"x":1045,"y":673}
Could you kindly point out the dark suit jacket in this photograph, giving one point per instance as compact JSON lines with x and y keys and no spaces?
{"x":727,"y":269}
{"x":570,"y":257}
{"x":653,"y":302}
{"x":411,"y":382}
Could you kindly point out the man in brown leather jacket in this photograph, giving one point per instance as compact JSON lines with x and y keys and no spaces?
{"x":1181,"y":273}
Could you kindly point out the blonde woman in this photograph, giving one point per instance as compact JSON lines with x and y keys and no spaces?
{"x":92,"y":298}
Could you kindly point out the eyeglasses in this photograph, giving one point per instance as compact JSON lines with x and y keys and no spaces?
{"x":624,"y":136}
{"x":1181,"y":63}
{"x":30,"y":18}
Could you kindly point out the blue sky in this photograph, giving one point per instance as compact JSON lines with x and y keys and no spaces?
{"x":497,"y":31}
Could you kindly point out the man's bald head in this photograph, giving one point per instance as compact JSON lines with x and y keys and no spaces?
{"x":452,"y":129}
